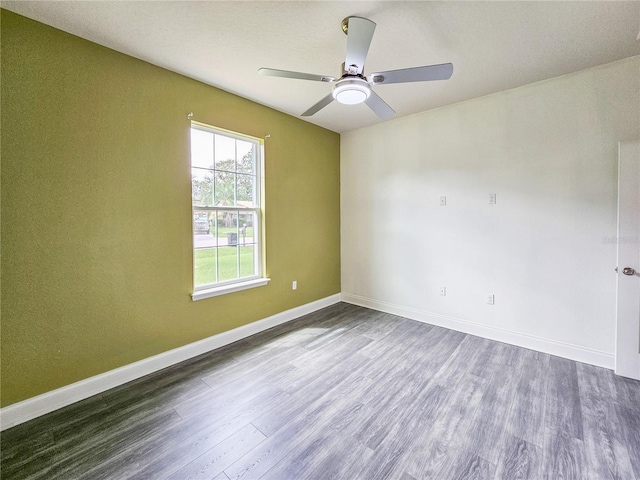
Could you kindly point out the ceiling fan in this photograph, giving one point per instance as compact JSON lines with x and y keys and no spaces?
{"x":353,"y":86}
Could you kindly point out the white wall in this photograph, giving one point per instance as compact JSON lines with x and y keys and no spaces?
{"x":549,"y":152}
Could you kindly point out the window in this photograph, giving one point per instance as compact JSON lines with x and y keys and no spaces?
{"x":225,"y":193}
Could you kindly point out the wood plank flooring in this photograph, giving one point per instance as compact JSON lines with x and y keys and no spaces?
{"x":346,"y":393}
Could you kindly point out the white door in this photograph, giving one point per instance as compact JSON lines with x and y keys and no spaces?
{"x":628,"y":284}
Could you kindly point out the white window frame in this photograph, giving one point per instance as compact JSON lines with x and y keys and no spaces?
{"x":234,"y":285}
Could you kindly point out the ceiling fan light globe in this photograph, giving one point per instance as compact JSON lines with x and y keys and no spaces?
{"x":351,"y":96}
{"x":352,"y":93}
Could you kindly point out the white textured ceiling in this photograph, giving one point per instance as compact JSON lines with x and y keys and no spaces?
{"x":493,"y":45}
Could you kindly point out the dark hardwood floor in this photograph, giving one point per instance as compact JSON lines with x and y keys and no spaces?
{"x":346,"y":393}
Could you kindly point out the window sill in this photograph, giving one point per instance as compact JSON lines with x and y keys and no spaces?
{"x":235,"y":287}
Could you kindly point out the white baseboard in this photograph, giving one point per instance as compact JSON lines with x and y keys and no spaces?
{"x":48,"y":402}
{"x":545,"y":345}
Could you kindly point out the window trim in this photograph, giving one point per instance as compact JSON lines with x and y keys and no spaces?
{"x":258,"y":279}
{"x":224,"y":289}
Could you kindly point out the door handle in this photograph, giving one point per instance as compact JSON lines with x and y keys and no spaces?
{"x":628,"y":271}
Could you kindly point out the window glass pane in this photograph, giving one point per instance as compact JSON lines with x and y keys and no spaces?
{"x":201,"y":225}
{"x":202,"y":187}
{"x":247,"y":262}
{"x":246,"y":190}
{"x":201,"y":148}
{"x":225,"y":153}
{"x":227,"y":227}
{"x":205,"y":265}
{"x":245,"y":228}
{"x":204,"y":229}
{"x":227,"y":263}
{"x":245,"y":155}
{"x":225,"y":184}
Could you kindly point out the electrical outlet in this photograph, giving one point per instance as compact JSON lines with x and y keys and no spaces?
{"x":491,"y":299}
{"x":443,"y":201}
{"x":294,"y":285}
{"x":492,"y":199}
{"x":443,"y":291}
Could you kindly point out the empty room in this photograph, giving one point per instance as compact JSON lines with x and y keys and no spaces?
{"x":320,"y":240}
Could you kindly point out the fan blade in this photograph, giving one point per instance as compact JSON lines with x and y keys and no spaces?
{"x":379,"y":107}
{"x":319,"y":106}
{"x":416,"y":74}
{"x":301,"y":76}
{"x":360,"y":33}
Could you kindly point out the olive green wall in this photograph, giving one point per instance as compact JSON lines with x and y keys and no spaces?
{"x":96,"y":210}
